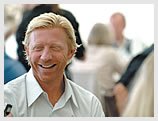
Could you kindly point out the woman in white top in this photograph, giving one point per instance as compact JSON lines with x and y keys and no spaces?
{"x":104,"y":60}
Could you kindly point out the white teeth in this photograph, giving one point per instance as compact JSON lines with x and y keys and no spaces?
{"x":46,"y":66}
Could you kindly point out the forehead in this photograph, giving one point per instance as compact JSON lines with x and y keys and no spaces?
{"x":117,"y":18}
{"x":48,"y":35}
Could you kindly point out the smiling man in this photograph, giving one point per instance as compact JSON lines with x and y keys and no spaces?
{"x":45,"y":91}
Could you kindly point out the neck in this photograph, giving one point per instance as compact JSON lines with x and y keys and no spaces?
{"x":120,"y":39}
{"x":55,"y":89}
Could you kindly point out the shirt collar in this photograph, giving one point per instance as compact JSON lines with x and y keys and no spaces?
{"x":69,"y":92}
{"x":34,"y":90}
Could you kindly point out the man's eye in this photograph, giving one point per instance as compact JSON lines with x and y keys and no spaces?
{"x":55,"y":48}
{"x":37,"y":48}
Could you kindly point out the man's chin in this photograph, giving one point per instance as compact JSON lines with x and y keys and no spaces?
{"x":46,"y":80}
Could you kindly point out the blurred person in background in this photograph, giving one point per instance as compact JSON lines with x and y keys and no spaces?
{"x":12,"y":67}
{"x":128,"y":48}
{"x":45,"y":91}
{"x":104,"y":61}
{"x":122,"y":87}
{"x":124,"y":44}
{"x":45,"y":8}
{"x":141,"y":98}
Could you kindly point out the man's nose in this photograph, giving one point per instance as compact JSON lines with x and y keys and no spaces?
{"x":46,"y":55}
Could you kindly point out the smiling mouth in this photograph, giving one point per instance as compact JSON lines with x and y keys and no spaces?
{"x":47,"y":67}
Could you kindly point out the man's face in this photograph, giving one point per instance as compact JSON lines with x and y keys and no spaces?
{"x":48,"y":53}
{"x":118,"y":24}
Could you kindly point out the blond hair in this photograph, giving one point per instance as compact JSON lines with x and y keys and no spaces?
{"x":12,"y":17}
{"x":101,"y":34}
{"x":141,"y":101}
{"x":50,"y":20}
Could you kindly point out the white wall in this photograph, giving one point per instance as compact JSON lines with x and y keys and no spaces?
{"x":139,"y":17}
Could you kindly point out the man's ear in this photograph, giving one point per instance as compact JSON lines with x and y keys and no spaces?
{"x":26,"y":50}
{"x":72,"y":52}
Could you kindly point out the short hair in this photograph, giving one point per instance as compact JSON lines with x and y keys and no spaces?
{"x":50,"y":20}
{"x":121,"y":15}
{"x":101,"y":34}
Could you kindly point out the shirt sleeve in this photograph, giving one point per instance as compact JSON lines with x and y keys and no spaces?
{"x":8,"y":99}
{"x":96,"y":108}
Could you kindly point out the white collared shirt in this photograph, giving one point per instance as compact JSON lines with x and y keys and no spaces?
{"x":29,"y":100}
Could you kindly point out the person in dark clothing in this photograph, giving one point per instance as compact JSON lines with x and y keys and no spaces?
{"x":122,"y":87}
{"x":133,"y":66}
{"x":12,"y":68}
{"x":46,"y":8}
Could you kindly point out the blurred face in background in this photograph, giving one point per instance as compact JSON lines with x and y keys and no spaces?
{"x":117,"y":24}
{"x":48,"y":53}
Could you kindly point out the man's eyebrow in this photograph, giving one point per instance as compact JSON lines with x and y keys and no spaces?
{"x":37,"y":44}
{"x":55,"y":44}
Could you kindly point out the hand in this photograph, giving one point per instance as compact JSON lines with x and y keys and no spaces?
{"x":121,"y":95}
{"x":9,"y":115}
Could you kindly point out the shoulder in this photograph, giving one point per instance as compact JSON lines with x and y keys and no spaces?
{"x":79,"y":91}
{"x":14,"y":94}
{"x":110,"y":51}
{"x":87,"y":101}
{"x":128,"y":40}
{"x":14,"y":85}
